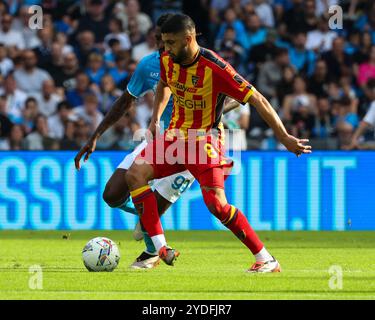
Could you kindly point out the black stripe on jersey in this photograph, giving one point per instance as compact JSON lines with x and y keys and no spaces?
{"x":238,"y":78}
{"x":211,"y":57}
{"x":219,"y":109}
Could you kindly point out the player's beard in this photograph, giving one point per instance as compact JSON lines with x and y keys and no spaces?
{"x":181,"y":56}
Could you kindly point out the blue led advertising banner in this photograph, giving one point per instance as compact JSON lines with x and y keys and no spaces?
{"x":276,"y":191}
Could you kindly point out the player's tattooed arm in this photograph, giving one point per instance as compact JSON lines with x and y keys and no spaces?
{"x":119,"y":108}
{"x":267,"y":112}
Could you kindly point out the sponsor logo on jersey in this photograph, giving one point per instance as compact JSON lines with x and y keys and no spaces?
{"x":182,"y":87}
{"x":189,"y":103}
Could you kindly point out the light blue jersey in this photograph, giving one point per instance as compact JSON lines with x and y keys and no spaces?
{"x":146,"y":78}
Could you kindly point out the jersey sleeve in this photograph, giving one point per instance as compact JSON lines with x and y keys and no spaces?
{"x":136,"y":86}
{"x":233,"y":85}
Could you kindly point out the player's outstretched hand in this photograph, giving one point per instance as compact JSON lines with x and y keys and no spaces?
{"x":87,"y":149}
{"x":295,"y":145}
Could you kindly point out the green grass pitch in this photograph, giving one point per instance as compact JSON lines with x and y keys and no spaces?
{"x":211,"y":266}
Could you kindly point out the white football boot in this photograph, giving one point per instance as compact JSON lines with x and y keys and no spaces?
{"x":146,"y":261}
{"x":265,"y":267}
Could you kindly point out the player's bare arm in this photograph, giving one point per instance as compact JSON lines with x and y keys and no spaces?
{"x":119,"y":108}
{"x":230,"y":104}
{"x":162,"y":95}
{"x":267,"y":112}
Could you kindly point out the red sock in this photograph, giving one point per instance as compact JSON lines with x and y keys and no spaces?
{"x":242,"y":229}
{"x":147,"y":207}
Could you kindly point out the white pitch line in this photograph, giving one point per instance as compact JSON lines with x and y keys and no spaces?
{"x":166,"y":293}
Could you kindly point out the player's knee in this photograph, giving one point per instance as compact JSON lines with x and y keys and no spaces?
{"x":213,"y":203}
{"x":224,"y":212}
{"x":116,"y":190}
{"x":107,"y":196}
{"x":112,"y":196}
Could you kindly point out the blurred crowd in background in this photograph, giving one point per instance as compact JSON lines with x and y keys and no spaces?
{"x":57,"y":83}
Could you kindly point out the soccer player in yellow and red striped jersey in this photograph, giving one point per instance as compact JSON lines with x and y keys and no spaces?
{"x":199,"y":90}
{"x":199,"y":81}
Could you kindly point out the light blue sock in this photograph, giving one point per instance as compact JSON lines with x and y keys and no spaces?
{"x":128,"y":206}
{"x":150,"y":248}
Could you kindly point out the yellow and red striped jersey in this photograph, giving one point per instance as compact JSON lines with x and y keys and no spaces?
{"x":199,"y":90}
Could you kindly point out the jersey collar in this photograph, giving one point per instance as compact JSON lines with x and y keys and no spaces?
{"x":195,"y":60}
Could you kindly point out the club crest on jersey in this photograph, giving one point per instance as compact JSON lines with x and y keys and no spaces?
{"x":194,"y":80}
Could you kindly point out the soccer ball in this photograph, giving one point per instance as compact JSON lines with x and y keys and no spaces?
{"x":100,"y":254}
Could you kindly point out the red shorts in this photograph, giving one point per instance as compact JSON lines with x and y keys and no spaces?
{"x":203,"y":157}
